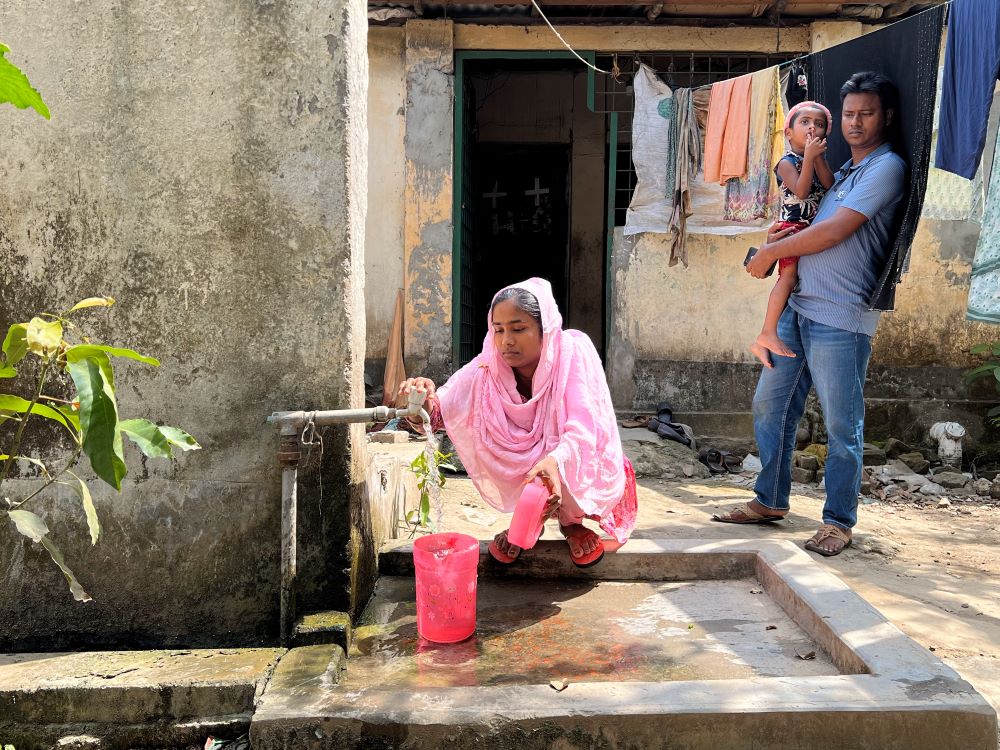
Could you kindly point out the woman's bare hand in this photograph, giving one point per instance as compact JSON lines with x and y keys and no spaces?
{"x":548,"y":471}
{"x":420,"y":384}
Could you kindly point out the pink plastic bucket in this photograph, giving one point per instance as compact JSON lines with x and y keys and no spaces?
{"x":445,"y":566}
{"x":527,"y":523}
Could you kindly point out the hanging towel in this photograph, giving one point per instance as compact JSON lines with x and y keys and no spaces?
{"x":950,"y":197}
{"x":777,"y":144}
{"x":984,"y":292}
{"x":688,"y":164}
{"x":748,"y":198}
{"x":654,"y":154}
{"x":907,"y":52}
{"x":971,"y":66}
{"x":728,"y":130}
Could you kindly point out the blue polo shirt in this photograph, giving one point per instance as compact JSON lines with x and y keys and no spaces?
{"x":835,"y":285}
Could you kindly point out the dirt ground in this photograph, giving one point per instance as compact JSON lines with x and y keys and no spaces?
{"x":934,"y":572}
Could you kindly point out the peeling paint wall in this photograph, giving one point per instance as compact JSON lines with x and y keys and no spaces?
{"x":427,"y":239}
{"x":681,"y":334}
{"x":205,"y":165}
{"x":386,"y":184}
{"x":429,"y":134}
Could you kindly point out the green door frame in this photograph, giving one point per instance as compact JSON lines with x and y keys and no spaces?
{"x":456,"y":213}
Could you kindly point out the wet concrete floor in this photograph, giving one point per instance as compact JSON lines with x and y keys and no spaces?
{"x":537,"y":631}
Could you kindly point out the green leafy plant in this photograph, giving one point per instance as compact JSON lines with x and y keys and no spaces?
{"x":420,"y":517}
{"x":16,"y":89}
{"x":70,"y":361}
{"x":989,"y":369}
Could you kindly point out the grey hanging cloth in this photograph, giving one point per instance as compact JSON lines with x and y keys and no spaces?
{"x":907,"y":52}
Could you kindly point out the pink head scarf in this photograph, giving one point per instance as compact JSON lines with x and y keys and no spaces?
{"x":500,"y":437}
{"x":809,"y":105}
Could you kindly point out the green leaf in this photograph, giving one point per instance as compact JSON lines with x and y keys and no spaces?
{"x":20,"y":406}
{"x":15,"y":345}
{"x":8,"y":371}
{"x":178,"y":438}
{"x":83,"y":351}
{"x":44,"y":336}
{"x":88,"y":508}
{"x":995,"y":411}
{"x":74,"y":585}
{"x":147,"y":437}
{"x":980,"y":348}
{"x":29,"y":524}
{"x":72,"y":415}
{"x":16,"y":89}
{"x":92,"y":302}
{"x":982,"y":371}
{"x":102,"y":441}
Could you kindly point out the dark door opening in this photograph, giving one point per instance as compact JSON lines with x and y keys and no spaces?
{"x":520,"y":219}
{"x":530,"y":189}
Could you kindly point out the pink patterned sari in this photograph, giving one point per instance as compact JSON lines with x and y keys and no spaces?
{"x":500,"y":436}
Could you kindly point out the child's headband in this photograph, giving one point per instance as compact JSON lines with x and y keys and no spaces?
{"x":808,"y":105}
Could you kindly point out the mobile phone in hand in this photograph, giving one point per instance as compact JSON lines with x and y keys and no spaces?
{"x":752,"y":252}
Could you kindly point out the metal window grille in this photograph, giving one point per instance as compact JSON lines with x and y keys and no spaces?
{"x":678,"y":70}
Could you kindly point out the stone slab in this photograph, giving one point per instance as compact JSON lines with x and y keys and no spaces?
{"x":888,"y":692}
{"x":119,"y":695}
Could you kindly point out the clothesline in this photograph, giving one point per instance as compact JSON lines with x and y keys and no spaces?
{"x":616,"y":71}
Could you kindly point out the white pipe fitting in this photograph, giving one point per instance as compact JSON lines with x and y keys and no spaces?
{"x":948,"y":436}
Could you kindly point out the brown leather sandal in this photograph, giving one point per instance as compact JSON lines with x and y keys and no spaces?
{"x":828,"y":531}
{"x":745,"y":514}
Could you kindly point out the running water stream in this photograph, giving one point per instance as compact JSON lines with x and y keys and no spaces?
{"x":433,"y":476}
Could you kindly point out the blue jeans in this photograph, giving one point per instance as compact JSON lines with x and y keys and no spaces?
{"x":835,"y":361}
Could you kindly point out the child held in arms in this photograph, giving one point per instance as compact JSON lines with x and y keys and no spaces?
{"x":803,"y":177}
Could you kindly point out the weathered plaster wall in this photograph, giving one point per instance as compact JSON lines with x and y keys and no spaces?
{"x":681,"y":334}
{"x":386,"y":183}
{"x":429,"y":135}
{"x":205,"y":166}
{"x":633,"y":38}
{"x":430,"y":84}
{"x":587,"y":218}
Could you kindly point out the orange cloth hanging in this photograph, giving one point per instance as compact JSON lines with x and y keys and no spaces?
{"x":727,"y":134}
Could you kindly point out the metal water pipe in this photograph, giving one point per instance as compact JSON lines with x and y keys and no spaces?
{"x":293,"y":427}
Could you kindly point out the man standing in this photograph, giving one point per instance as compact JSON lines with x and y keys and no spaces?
{"x":828,"y":323}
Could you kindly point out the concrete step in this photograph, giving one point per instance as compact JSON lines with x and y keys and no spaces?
{"x":125,"y":699}
{"x":681,"y":643}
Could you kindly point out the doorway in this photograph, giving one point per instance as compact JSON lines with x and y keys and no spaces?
{"x":521,"y":220}
{"x":530,"y":192}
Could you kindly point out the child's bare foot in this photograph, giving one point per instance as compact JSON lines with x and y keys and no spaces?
{"x":767,"y":343}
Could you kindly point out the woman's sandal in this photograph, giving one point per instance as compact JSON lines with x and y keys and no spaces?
{"x":589,"y":559}
{"x":745,"y":514}
{"x":502,"y":557}
{"x":828,"y":531}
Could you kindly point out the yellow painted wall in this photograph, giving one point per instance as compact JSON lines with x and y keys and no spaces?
{"x":384,"y":226}
{"x":712,"y":310}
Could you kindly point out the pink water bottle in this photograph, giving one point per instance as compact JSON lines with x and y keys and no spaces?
{"x":527,"y":524}
{"x":445,"y":566}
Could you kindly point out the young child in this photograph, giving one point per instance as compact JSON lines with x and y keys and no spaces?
{"x":803,"y":177}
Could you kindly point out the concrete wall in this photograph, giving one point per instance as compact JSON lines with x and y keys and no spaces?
{"x":681,"y":334}
{"x":429,"y":135}
{"x":205,"y":166}
{"x":427,"y":237}
{"x":386,"y":184}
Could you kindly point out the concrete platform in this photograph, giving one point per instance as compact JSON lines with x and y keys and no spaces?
{"x":663,"y":645}
{"x":124,"y":698}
